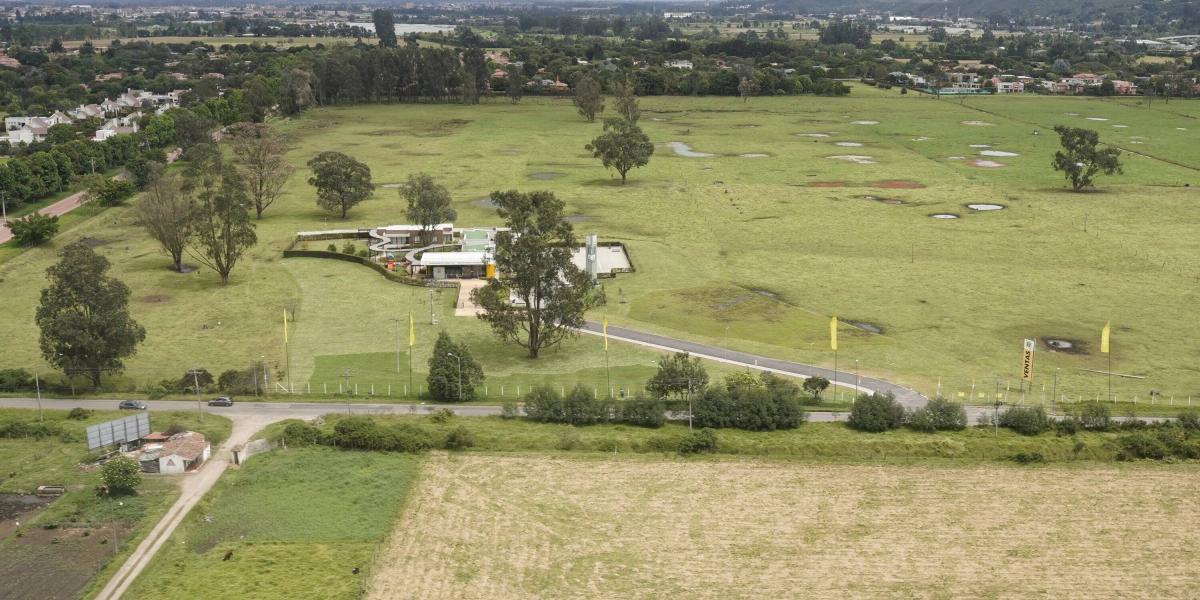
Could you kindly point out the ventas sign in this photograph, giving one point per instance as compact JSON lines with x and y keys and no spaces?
{"x":1027,"y":362}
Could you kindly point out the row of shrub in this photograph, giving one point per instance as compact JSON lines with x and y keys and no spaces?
{"x":763,"y":403}
{"x":880,"y":412}
{"x":580,"y":406}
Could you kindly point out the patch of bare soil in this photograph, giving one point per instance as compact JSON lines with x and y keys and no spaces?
{"x":827,"y":184}
{"x":51,"y":564}
{"x":898,"y":184}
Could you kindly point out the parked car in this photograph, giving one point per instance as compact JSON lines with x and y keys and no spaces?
{"x":222,"y":401}
{"x":132,"y":405}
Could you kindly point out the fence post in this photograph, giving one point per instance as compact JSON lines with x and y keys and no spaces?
{"x":389,"y":389}
{"x":372,"y":389}
{"x":323,"y":390}
{"x":518,"y":390}
{"x":502,"y":390}
{"x":339,"y":387}
{"x":356,"y":389}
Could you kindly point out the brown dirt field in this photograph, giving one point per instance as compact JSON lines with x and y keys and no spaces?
{"x":898,"y":184}
{"x":486,"y":526}
{"x":827,"y":184}
{"x":36,"y":567}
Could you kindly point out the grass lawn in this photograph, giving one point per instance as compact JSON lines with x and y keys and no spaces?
{"x":297,"y":522}
{"x":68,"y":548}
{"x":492,"y":526}
{"x":749,"y":253}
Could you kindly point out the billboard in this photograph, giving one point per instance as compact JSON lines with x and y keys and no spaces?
{"x":125,"y":429}
{"x":1027,"y":361}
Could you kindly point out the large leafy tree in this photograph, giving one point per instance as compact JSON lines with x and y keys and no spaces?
{"x":221,"y":226}
{"x":588,"y":100}
{"x":33,"y":229}
{"x":341,"y":181}
{"x":451,"y":365}
{"x":541,"y":296}
{"x":165,"y":211}
{"x":428,"y":203}
{"x":260,"y":160}
{"x":1082,"y":158}
{"x":84,"y":316}
{"x":678,"y":376}
{"x":385,"y":27}
{"x":622,"y":146}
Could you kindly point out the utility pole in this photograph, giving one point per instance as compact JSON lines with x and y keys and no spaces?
{"x":1054,"y":393}
{"x":196,"y":382}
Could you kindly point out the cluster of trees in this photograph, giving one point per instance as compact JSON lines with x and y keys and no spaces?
{"x":367,"y":433}
{"x":880,"y":412}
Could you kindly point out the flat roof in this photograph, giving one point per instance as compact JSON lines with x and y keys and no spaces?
{"x":453,"y":259}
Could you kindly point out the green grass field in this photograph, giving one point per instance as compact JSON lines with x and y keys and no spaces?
{"x":749,"y":253}
{"x":296,"y":521}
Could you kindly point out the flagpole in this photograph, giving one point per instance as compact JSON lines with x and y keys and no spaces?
{"x":835,"y":396}
{"x":1110,"y":396}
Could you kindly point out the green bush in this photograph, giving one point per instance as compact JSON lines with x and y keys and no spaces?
{"x":79,"y":414}
{"x":363,"y":433}
{"x":349,"y":249}
{"x":331,"y":248}
{"x":1142,"y":444}
{"x":569,"y":439}
{"x":1027,"y":457}
{"x":121,"y":475}
{"x":1095,"y":416}
{"x":763,"y":403}
{"x":33,"y":229}
{"x":939,"y":414}
{"x":12,"y":380}
{"x":696,"y":442}
{"x":1189,"y":420}
{"x":299,"y":433}
{"x":644,"y":412}
{"x":442,"y":416}
{"x":875,"y":413}
{"x":815,"y":386}
{"x":1025,"y":420}
{"x":459,"y":438}
{"x":509,"y":410}
{"x":30,"y":429}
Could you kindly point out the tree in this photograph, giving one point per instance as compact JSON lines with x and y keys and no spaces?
{"x":622,"y":146}
{"x":297,"y":91}
{"x":747,"y":87}
{"x":475,"y":74}
{"x":108,"y":191}
{"x":221,"y":227}
{"x":385,"y":27}
{"x":260,"y":159}
{"x":33,"y":229}
{"x":588,"y":100}
{"x":165,"y":211}
{"x":341,"y":181}
{"x":121,"y":475}
{"x":84,"y":316}
{"x":515,"y":87}
{"x":1081,"y":158}
{"x":444,"y":374}
{"x":678,"y":376}
{"x":875,"y":413}
{"x":815,"y":386}
{"x":428,"y":203}
{"x":626,"y":101}
{"x":540,"y":299}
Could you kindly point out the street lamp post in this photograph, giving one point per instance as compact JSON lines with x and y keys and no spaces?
{"x":459,"y":359}
{"x":196,"y":383}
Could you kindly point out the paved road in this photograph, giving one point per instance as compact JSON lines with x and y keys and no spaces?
{"x":905,"y":396}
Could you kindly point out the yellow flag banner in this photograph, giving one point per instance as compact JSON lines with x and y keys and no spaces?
{"x":604,"y":330}
{"x":1104,"y":338}
{"x":285,"y":325}
{"x":833,"y":333}
{"x":412,"y":334}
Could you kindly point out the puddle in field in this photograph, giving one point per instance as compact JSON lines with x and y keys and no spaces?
{"x":944,"y":216}
{"x":985,"y":207}
{"x":980,"y":146}
{"x":864,"y":122}
{"x":920,"y":139}
{"x":813,"y":135}
{"x":857,"y":159}
{"x":848,"y":144}
{"x":754,"y":155}
{"x":1071,"y":114}
{"x":977,"y":123}
{"x":997,"y":153}
{"x":1097,"y":119}
{"x":987,"y":164}
{"x":1121,"y":126}
{"x":956,"y":158}
{"x":865,"y":326}
{"x":682,"y":149}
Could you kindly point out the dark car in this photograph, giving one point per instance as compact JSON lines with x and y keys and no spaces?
{"x":132,"y":405}
{"x":222,"y":401}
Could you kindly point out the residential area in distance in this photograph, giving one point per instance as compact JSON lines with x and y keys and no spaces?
{"x":818,"y":299}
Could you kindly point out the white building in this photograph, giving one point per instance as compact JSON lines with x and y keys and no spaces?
{"x":678,"y":64}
